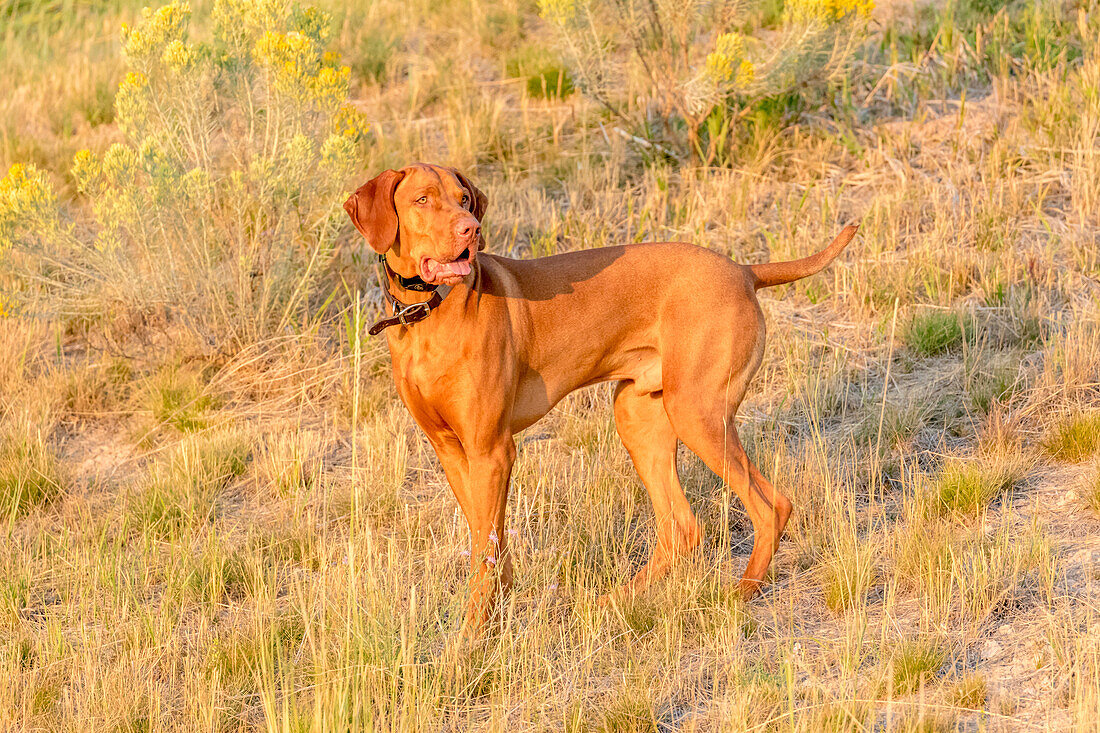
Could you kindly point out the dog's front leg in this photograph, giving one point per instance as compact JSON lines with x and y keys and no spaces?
{"x":482,"y":492}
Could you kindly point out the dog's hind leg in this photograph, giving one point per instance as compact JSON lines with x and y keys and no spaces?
{"x":646,"y":432}
{"x":701,"y":399}
{"x":715,"y":440}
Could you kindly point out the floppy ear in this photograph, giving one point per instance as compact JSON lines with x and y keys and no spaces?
{"x":372,"y":210}
{"x":481,"y":202}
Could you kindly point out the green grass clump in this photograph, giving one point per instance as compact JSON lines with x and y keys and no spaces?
{"x":178,"y":399}
{"x":218,"y":574}
{"x":900,"y":423}
{"x":915,"y":662}
{"x":212,"y":462}
{"x":546,"y":76}
{"x":967,"y":487}
{"x":371,"y":59}
{"x":936,"y":332}
{"x":640,"y":614}
{"x":236,"y":654}
{"x":30,"y":476}
{"x":163,"y":510}
{"x":1075,"y":438}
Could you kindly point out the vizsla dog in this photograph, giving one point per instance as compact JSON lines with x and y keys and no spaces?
{"x":483,"y":346}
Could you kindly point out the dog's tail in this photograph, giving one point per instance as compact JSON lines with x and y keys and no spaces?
{"x":778,"y":273}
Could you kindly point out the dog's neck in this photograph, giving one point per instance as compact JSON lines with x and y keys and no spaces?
{"x":419,"y":291}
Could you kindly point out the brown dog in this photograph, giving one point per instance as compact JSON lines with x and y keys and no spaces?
{"x":500,"y":341}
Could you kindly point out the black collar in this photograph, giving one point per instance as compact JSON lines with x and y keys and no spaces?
{"x":404,"y":314}
{"x":414,"y":283}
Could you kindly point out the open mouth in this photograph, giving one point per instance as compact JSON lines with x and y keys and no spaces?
{"x":434,"y":271}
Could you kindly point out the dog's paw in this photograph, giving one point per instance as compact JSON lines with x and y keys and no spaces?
{"x":747,"y":588}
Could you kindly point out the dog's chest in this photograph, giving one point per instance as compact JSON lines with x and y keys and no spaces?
{"x":429,"y":368}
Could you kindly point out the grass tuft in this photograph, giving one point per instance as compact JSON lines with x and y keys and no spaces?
{"x":968,"y":486}
{"x":850,"y":573}
{"x":935,"y":332}
{"x":182,"y":491}
{"x":1075,"y":438}
{"x":545,"y":76}
{"x":178,"y":399}
{"x":915,"y":663}
{"x":1092,"y":490}
{"x":969,"y":692}
{"x":30,"y":475}
{"x":993,"y":387}
{"x":632,"y":711}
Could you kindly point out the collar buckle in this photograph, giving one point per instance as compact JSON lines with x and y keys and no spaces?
{"x":412,"y":313}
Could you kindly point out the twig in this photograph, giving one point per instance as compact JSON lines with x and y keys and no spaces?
{"x":648,"y":144}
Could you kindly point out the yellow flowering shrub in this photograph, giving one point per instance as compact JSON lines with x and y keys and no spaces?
{"x":221,"y":202}
{"x":157,"y":29}
{"x":694,"y":73}
{"x":727,"y":63}
{"x":28,"y":206}
{"x":826,"y":11}
{"x":558,"y":11}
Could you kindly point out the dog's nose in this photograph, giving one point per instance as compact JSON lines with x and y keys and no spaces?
{"x":468,"y":229}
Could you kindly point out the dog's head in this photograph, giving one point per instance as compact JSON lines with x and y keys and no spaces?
{"x":426,"y":218}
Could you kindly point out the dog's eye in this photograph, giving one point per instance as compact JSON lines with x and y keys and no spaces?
{"x":422,"y":200}
{"x":465,"y":199}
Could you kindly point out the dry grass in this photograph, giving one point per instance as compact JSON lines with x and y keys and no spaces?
{"x":207,"y":532}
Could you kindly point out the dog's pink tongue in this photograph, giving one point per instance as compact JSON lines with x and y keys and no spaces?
{"x":461,"y":268}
